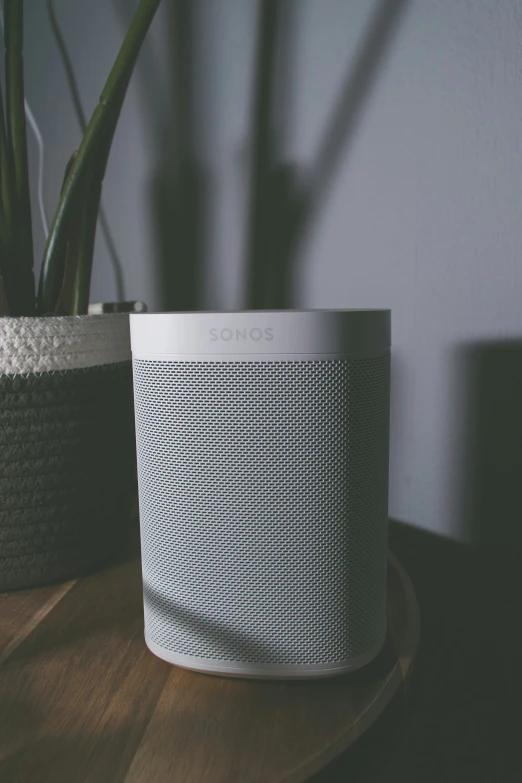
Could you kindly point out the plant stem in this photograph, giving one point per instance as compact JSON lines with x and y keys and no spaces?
{"x":84,"y":252}
{"x":5,"y":167}
{"x":4,"y":305}
{"x":22,"y":297}
{"x":67,"y":65}
{"x":101,"y":122}
{"x":62,"y":304}
{"x":74,"y":294}
{"x":82,"y":121}
{"x":6,"y":209}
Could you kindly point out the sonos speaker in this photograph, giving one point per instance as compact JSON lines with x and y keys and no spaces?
{"x":262,"y":441}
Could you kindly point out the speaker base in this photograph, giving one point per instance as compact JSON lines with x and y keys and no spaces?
{"x":264,"y":671}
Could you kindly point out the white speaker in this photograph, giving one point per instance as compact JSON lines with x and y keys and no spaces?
{"x":262,"y":440}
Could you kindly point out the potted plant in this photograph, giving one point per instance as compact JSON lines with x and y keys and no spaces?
{"x":67,"y":451}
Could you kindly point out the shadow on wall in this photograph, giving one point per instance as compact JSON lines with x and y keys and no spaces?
{"x":179,"y":189}
{"x":491,"y":478}
{"x":283,"y":199}
{"x":180,"y":186}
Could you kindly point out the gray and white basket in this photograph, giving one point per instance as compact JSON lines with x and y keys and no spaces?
{"x":67,"y":457}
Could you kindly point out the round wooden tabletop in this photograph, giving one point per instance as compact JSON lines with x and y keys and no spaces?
{"x":83,"y":699}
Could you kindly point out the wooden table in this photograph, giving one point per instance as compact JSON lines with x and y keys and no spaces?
{"x":82,"y":699}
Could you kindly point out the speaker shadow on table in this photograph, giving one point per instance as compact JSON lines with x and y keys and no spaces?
{"x":218,"y":634}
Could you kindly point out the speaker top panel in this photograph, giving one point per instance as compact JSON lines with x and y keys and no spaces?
{"x":269,"y":333}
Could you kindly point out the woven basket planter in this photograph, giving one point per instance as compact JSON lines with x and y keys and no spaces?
{"x":67,"y":453}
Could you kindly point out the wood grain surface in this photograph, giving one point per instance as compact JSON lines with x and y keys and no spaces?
{"x":82,"y":699}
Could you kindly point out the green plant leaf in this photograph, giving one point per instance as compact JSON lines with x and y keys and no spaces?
{"x":63,"y":303}
{"x":5,"y":170}
{"x":4,"y":305}
{"x":92,"y":153}
{"x":74,"y":295}
{"x":74,"y":91}
{"x":8,"y":254}
{"x":81,"y":248}
{"x":22,"y":292}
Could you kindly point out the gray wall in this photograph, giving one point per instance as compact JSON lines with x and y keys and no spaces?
{"x":422,"y":213}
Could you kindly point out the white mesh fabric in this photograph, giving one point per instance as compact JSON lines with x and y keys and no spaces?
{"x":263,"y":497}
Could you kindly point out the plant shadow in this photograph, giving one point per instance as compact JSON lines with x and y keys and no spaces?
{"x":284,"y":199}
{"x":179,"y":188}
{"x":218,"y":635}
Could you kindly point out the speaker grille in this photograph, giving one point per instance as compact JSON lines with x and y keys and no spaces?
{"x":263,"y":498}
